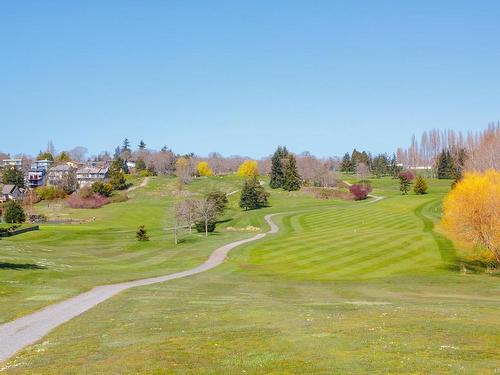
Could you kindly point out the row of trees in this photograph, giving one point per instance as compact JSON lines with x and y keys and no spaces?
{"x":473,"y":152}
{"x":364,"y":164}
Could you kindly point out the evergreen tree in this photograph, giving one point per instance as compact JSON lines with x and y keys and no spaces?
{"x":126,"y":145}
{"x":13,"y":176}
{"x":142,"y":145}
{"x":291,"y":178}
{"x":445,"y":166}
{"x":420,"y":186}
{"x":116,"y":174}
{"x":45,"y":156}
{"x":346,"y":165}
{"x":277,"y":174}
{"x":253,"y":195}
{"x":14,"y":213}
{"x":117,"y":153}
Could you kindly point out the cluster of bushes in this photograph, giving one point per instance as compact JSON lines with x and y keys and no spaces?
{"x":86,"y":198}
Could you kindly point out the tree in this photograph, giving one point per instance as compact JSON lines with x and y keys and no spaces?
{"x":13,"y":176}
{"x":253,"y":195}
{"x":116,"y":174}
{"x":206,"y":213}
{"x":471,"y":211}
{"x":68,"y":182}
{"x":346,"y":164}
{"x":405,"y":179}
{"x":380,"y":165}
{"x":14,"y":213}
{"x":126,"y":145}
{"x":63,"y":157}
{"x":277,"y":174}
{"x":142,"y":145}
{"x":185,"y":211}
{"x":219,"y":199}
{"x":45,"y":156}
{"x":101,"y":188}
{"x":184,"y":169}
{"x":142,"y":234}
{"x":140,"y":165}
{"x":420,"y":186}
{"x":362,"y":170}
{"x":444,"y":165}
{"x":204,"y":169}
{"x":291,"y":178}
{"x":248,"y":169}
{"x":78,"y":153}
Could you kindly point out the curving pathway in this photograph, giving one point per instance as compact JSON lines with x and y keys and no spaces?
{"x":143,"y":183}
{"x":28,"y":329}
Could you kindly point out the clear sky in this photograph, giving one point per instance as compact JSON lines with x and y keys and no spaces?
{"x":241,"y":77}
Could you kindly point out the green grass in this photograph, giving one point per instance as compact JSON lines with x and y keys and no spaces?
{"x":345,"y":287}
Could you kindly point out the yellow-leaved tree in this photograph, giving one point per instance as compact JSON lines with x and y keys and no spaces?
{"x":204,"y":169}
{"x":248,"y":169}
{"x":471,"y":211}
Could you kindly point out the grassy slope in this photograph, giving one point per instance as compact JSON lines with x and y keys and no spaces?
{"x":59,"y":261}
{"x":346,"y":288}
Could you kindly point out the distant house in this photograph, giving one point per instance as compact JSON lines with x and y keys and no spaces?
{"x":56,"y":173}
{"x":11,"y":192}
{"x":89,"y":175}
{"x":37,"y":175}
{"x":41,"y":164}
{"x":18,"y":163}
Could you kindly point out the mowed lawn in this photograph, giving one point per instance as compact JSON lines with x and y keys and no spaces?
{"x":345,"y":287}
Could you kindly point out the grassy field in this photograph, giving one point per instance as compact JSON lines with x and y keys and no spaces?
{"x":345,"y":287}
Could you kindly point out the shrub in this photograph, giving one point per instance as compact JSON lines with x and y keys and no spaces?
{"x":142,"y":234}
{"x":204,"y":169}
{"x":405,"y":179}
{"x":420,"y":186}
{"x":92,"y":200}
{"x":200,"y":226}
{"x":49,"y":193}
{"x":360,"y":190}
{"x":248,"y":169}
{"x":14,"y":213}
{"x":102,"y":188}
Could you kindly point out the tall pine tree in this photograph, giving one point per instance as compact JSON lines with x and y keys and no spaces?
{"x":291,"y":178}
{"x":277,"y":173}
{"x":346,"y":165}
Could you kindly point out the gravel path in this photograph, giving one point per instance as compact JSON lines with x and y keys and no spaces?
{"x":143,"y":183}
{"x":24,"y":331}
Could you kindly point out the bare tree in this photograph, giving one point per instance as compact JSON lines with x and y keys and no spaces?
{"x":362,"y":170}
{"x":186,"y":211}
{"x":78,"y":153}
{"x":206,"y":212}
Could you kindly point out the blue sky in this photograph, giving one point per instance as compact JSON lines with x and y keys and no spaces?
{"x":242,"y":77}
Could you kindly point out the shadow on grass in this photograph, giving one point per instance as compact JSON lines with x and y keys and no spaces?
{"x":20,"y":266}
{"x":445,"y":246}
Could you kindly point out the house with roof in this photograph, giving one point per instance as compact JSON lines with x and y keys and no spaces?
{"x":88,"y":175}
{"x":18,"y":163}
{"x":11,"y":192}
{"x":57,"y":173}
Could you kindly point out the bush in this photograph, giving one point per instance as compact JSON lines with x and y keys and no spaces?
{"x":420,"y":186}
{"x":85,"y":200}
{"x":49,"y":193}
{"x":142,"y":234}
{"x":200,"y":226}
{"x":102,"y":188}
{"x":14,"y":213}
{"x":360,"y":190}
